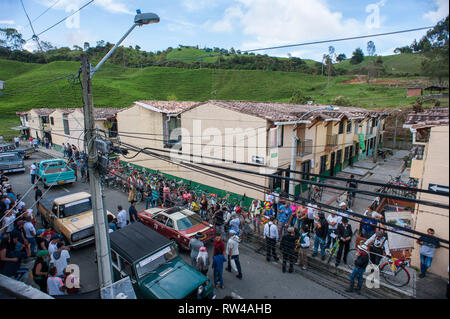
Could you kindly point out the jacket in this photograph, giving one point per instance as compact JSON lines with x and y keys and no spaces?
{"x":344,"y":232}
{"x":322,"y":228}
{"x":362,"y":261}
{"x":287,"y":244}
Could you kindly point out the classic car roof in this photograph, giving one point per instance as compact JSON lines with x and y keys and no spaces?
{"x":175,"y":213}
{"x":52,"y":160}
{"x":136,"y":241}
{"x":71,"y":197}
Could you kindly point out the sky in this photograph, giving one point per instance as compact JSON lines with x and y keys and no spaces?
{"x":241,"y":24}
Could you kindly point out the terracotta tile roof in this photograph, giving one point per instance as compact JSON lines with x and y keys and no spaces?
{"x":106,"y":112}
{"x":169,"y":107}
{"x":44,"y":111}
{"x":430,"y":117}
{"x":285,"y":112}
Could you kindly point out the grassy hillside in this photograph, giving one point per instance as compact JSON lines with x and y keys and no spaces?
{"x":399,"y":64}
{"x":118,"y":87}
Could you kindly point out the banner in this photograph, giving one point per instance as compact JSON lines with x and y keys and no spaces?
{"x":396,"y":240}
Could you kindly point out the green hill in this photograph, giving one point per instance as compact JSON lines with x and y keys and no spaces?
{"x":399,"y":64}
{"x":119,"y":87}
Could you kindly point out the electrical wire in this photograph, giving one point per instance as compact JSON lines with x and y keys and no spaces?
{"x":335,"y":209}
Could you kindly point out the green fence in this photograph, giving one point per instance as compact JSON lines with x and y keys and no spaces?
{"x":198,"y":186}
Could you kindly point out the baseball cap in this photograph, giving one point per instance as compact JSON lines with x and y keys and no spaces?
{"x":232,"y":232}
{"x":342,"y":204}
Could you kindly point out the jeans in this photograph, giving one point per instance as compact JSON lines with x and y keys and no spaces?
{"x":32,"y":242}
{"x":148,"y":201}
{"x":218,"y":278}
{"x":357,"y":273}
{"x":238,"y":264}
{"x":331,"y":241}
{"x":319,"y":242}
{"x":33,"y":177}
{"x":203,"y":213}
{"x":425,"y":263}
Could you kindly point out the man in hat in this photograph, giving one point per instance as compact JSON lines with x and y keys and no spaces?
{"x":233,"y":252}
{"x":344,"y":235}
{"x":194,"y":244}
{"x":361,"y":262}
{"x":344,"y":210}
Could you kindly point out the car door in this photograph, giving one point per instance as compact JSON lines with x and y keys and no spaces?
{"x":159,"y":223}
{"x":170,"y":228}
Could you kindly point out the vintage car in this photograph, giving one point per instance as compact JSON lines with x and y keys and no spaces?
{"x":24,"y":152}
{"x":154,"y":266}
{"x":11,"y":162}
{"x":71,"y":216}
{"x":177,"y":224}
{"x":55,"y":172}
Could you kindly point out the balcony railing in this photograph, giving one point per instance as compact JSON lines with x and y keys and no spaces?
{"x":332,"y":140}
{"x":304,"y":148}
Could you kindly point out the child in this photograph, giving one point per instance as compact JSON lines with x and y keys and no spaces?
{"x":218,"y":261}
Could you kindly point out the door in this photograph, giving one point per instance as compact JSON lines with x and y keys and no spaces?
{"x":350,"y":156}
{"x":306,"y":168}
{"x":159,"y":224}
{"x":332,"y":163}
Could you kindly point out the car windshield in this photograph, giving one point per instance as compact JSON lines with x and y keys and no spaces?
{"x":188,"y":221}
{"x":9,"y":158}
{"x":75,"y":208}
{"x":154,"y":261}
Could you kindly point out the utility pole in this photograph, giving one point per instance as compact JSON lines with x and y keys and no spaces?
{"x":395,"y":133}
{"x":100,"y":220}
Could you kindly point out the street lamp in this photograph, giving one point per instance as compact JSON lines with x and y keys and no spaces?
{"x":294,"y":140}
{"x":139,"y":20}
{"x":99,"y":217}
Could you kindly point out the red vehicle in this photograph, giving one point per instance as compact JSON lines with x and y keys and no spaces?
{"x":177,"y":224}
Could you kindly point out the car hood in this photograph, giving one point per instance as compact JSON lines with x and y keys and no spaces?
{"x":174,"y":281}
{"x":78,"y":222}
{"x":199,"y":228}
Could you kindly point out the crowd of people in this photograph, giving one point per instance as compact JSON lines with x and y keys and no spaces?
{"x":23,"y":242}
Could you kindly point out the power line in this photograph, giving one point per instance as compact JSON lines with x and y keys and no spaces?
{"x":335,"y":209}
{"x":54,"y":25}
{"x":301,"y":180}
{"x":45,"y":11}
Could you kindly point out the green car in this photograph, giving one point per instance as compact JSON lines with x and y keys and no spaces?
{"x":154,"y":266}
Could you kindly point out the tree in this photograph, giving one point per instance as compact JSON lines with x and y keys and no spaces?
{"x":405,"y":49}
{"x":357,"y":56}
{"x":47,"y":46}
{"x":86,"y":46}
{"x":341,"y":57}
{"x":77,"y":47}
{"x":100,"y":43}
{"x":370,"y":48}
{"x":11,"y":39}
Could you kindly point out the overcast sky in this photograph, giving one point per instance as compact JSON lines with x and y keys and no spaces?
{"x":242,"y":24}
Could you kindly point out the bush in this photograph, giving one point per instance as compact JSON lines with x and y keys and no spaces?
{"x":299,"y":98}
{"x":342,"y":101}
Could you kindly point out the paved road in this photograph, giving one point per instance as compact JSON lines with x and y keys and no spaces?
{"x":261,"y":279}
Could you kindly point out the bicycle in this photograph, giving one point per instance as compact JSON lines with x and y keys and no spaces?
{"x":334,"y":249}
{"x":393,"y":270}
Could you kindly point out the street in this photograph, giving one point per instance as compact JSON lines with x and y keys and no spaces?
{"x":261,"y":280}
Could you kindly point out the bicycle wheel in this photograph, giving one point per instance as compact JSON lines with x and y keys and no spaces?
{"x":351,"y":257}
{"x":399,"y":277}
{"x":332,"y":253}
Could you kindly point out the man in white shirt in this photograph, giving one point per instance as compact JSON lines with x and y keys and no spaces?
{"x":344,"y":211}
{"x":53,"y":244}
{"x":30,"y":234}
{"x":233,"y":252}
{"x":271,"y":237}
{"x":333,"y":222}
{"x":16,"y":141}
{"x":60,"y":259}
{"x":33,"y":169}
{"x":8,"y":222}
{"x":121,"y":217}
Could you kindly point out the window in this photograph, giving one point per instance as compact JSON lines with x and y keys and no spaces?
{"x":356,"y":127}
{"x":114,"y":258}
{"x":346,"y":153}
{"x":341,"y":127}
{"x":160,"y":219}
{"x":323,"y":163}
{"x":171,"y":132}
{"x":349,"y":126}
{"x":169,"y":223}
{"x":276,"y":136}
{"x":126,"y":267}
{"x":52,"y":122}
{"x":66,"y":124}
{"x":44,"y":119}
